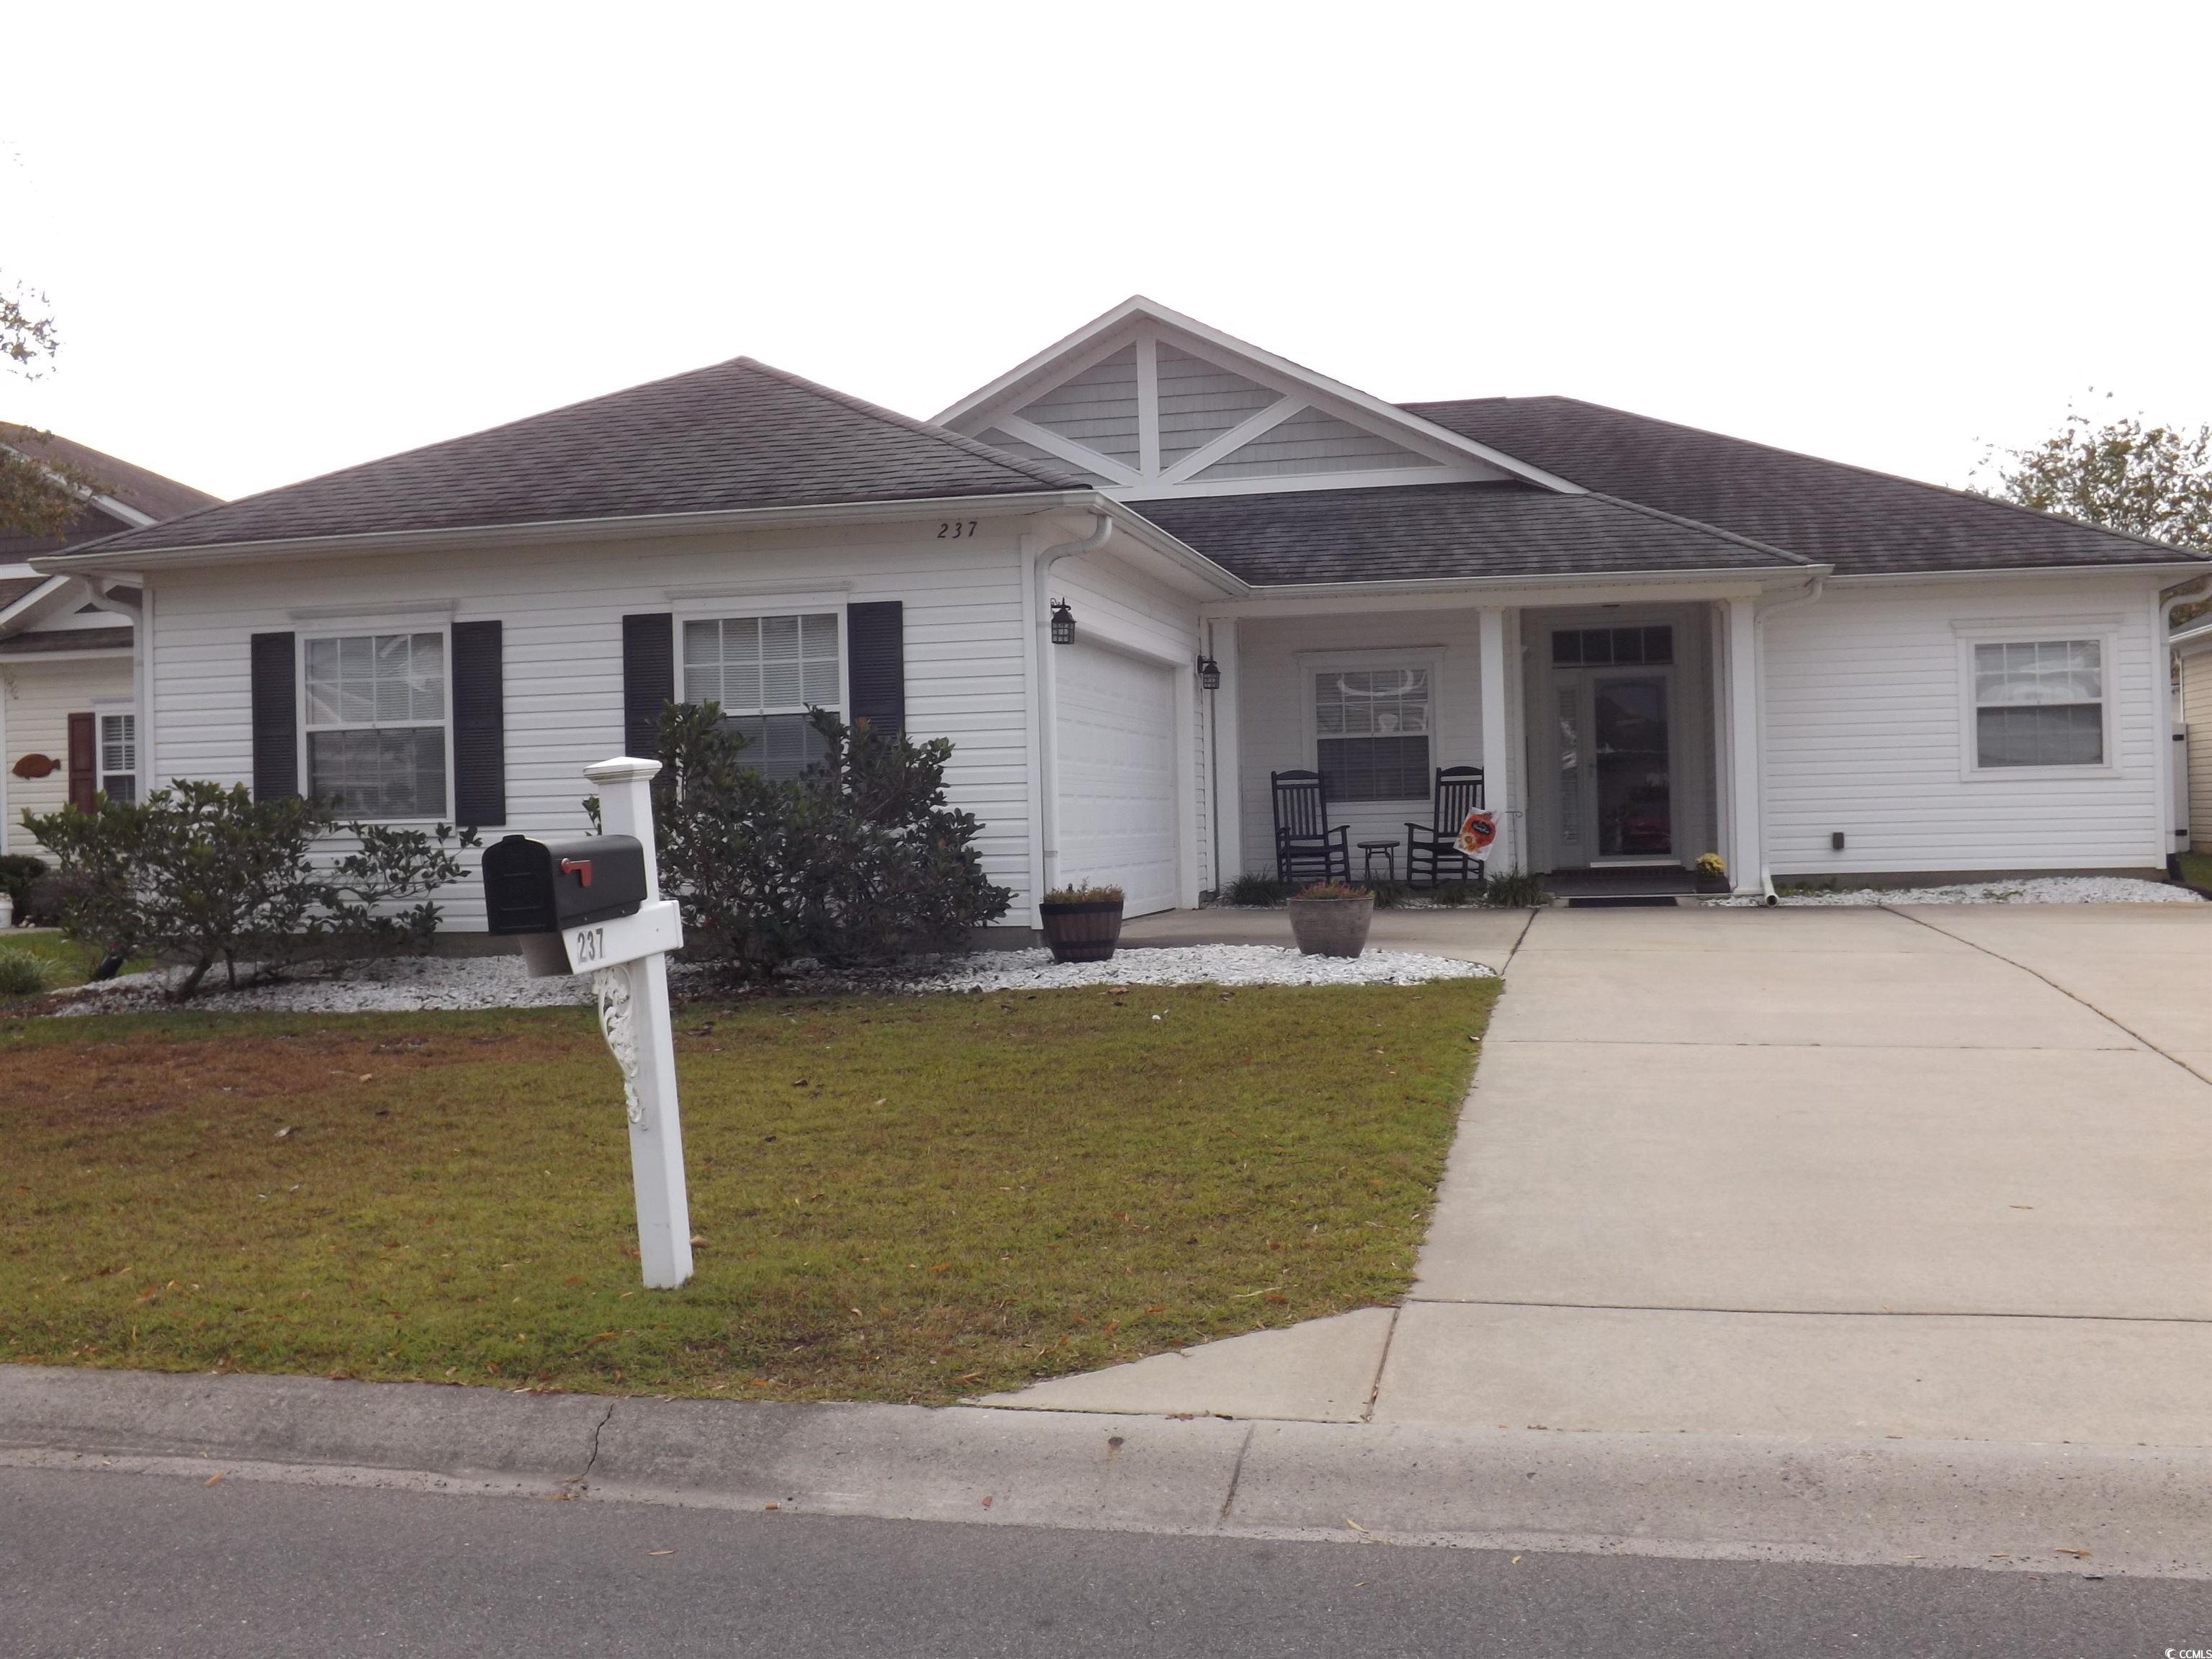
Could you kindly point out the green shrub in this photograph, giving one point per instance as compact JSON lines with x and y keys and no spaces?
{"x":1515,"y":889}
{"x":22,"y":973}
{"x":1257,"y":890}
{"x":18,"y":872}
{"x":1083,"y":895}
{"x":198,"y":874}
{"x":857,"y":860}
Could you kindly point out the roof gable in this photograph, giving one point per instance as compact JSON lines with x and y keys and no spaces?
{"x":1150,"y":403}
{"x":1863,"y":522}
{"x":736,"y":436}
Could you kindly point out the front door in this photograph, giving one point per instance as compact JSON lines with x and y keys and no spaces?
{"x":1611,"y":786}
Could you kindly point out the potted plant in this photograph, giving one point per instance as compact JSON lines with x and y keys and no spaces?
{"x":1330,"y":918}
{"x":1082,"y":924}
{"x":1712,"y":873}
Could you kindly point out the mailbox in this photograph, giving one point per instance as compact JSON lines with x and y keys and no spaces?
{"x":533,"y":886}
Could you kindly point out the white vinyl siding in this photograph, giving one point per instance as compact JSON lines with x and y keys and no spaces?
{"x":1199,"y":401}
{"x":40,"y":697}
{"x":1867,"y":729}
{"x":563,"y":607}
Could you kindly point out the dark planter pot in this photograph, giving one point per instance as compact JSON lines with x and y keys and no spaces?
{"x":1714,"y":883}
{"x":1082,"y":932}
{"x":1332,"y":927}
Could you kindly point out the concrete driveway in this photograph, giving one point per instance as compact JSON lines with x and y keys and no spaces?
{"x":1826,"y":1171}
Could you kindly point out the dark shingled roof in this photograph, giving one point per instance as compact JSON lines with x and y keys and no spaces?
{"x":148,"y":493}
{"x":13,"y":588}
{"x":1863,"y":523}
{"x":1418,"y":532}
{"x":739,"y":434}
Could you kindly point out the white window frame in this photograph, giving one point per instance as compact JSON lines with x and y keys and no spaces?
{"x":1312,"y":665}
{"x":2102,"y":631}
{"x":738,"y":607}
{"x":101,"y":714}
{"x":352,"y":628}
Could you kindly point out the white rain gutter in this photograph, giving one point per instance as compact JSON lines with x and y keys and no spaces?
{"x":1102,"y":527}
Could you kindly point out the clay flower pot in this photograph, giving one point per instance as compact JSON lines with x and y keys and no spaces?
{"x":1332,"y":923}
{"x":1085,"y":930}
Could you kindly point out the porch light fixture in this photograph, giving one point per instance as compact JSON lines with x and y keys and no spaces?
{"x":1063,"y":624}
{"x":1209,"y":674}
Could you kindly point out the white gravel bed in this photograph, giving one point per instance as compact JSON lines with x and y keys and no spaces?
{"x":1181,"y":964}
{"x":2036,"y":889}
{"x":412,"y":984}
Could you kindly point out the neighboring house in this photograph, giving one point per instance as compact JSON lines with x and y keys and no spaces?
{"x":68,"y":687}
{"x":2193,"y":648}
{"x":1656,"y":641}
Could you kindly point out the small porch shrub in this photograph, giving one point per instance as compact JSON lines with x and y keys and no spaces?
{"x":196,"y":874}
{"x":857,"y":860}
{"x":19,"y":871}
{"x":1257,"y":890}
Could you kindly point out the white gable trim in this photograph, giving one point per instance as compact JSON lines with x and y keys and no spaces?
{"x":1067,"y":449}
{"x":1105,"y":335}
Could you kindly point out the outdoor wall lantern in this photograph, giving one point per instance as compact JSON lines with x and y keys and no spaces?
{"x":1209,"y":674}
{"x":1063,"y":624}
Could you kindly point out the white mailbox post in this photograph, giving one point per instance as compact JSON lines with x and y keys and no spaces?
{"x":627,"y":958}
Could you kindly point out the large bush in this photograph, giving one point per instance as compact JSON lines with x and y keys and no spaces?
{"x":857,"y":860}
{"x":197,"y":874}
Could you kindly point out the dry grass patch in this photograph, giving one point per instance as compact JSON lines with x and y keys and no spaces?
{"x":911,"y":1198}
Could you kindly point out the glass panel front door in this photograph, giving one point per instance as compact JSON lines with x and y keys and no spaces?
{"x":1631,"y":763}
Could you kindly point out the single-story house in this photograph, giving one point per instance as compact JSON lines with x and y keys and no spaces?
{"x":69,"y":645}
{"x":1656,"y":642}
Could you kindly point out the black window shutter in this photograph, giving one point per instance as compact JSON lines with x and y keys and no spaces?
{"x":875,"y":638}
{"x":648,"y":680}
{"x":276,"y":716}
{"x":479,"y":724}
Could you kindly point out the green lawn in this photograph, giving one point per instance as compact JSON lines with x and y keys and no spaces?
{"x":910,"y":1198}
{"x":2197,"y":869}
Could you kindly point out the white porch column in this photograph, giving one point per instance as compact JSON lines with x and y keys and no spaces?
{"x":1746,"y":847}
{"x":1497,"y":739}
{"x":1228,"y":791}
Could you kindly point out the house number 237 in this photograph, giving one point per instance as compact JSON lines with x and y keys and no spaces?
{"x":591,"y":945}
{"x":955,"y":530}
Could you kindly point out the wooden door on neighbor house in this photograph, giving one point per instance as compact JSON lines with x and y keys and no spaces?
{"x":83,"y":763}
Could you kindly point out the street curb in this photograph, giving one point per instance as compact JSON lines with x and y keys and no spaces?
{"x":2139,"y":1510}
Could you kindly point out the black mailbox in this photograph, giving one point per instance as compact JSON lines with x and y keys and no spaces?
{"x":533,"y":886}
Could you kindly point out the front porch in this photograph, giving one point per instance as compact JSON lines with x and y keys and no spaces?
{"x":1616,"y":728}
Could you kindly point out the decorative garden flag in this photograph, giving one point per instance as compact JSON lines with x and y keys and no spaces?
{"x":1477,"y":833}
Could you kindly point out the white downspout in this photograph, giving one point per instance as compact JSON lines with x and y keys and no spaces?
{"x":1048,"y":723}
{"x":1812,"y":593}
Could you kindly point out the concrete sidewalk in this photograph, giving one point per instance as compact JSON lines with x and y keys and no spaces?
{"x":2044,"y":1509}
{"x":1936,"y":1173}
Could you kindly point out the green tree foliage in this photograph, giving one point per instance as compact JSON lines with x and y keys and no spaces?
{"x":37,"y":496}
{"x":196,"y":874}
{"x":2125,"y":473}
{"x":859,"y":860}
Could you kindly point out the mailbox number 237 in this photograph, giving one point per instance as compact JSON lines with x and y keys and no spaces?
{"x":587,"y":945}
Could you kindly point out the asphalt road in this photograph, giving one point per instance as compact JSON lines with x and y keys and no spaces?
{"x":104,"y":1563}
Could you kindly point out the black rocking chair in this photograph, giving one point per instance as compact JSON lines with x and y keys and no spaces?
{"x":1306,"y":848}
{"x":1432,"y":849}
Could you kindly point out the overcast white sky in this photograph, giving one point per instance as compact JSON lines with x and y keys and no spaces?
{"x":280,"y":241}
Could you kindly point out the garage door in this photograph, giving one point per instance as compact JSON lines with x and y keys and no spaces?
{"x":1117,"y":775}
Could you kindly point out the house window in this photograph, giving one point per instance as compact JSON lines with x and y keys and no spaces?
{"x":119,"y":757}
{"x":2039,"y":702}
{"x":765,"y":673}
{"x":1607,"y":647}
{"x":376,"y":723}
{"x":1371,"y":730}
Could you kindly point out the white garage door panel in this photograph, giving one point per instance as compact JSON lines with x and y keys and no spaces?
{"x":1117,"y":775}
